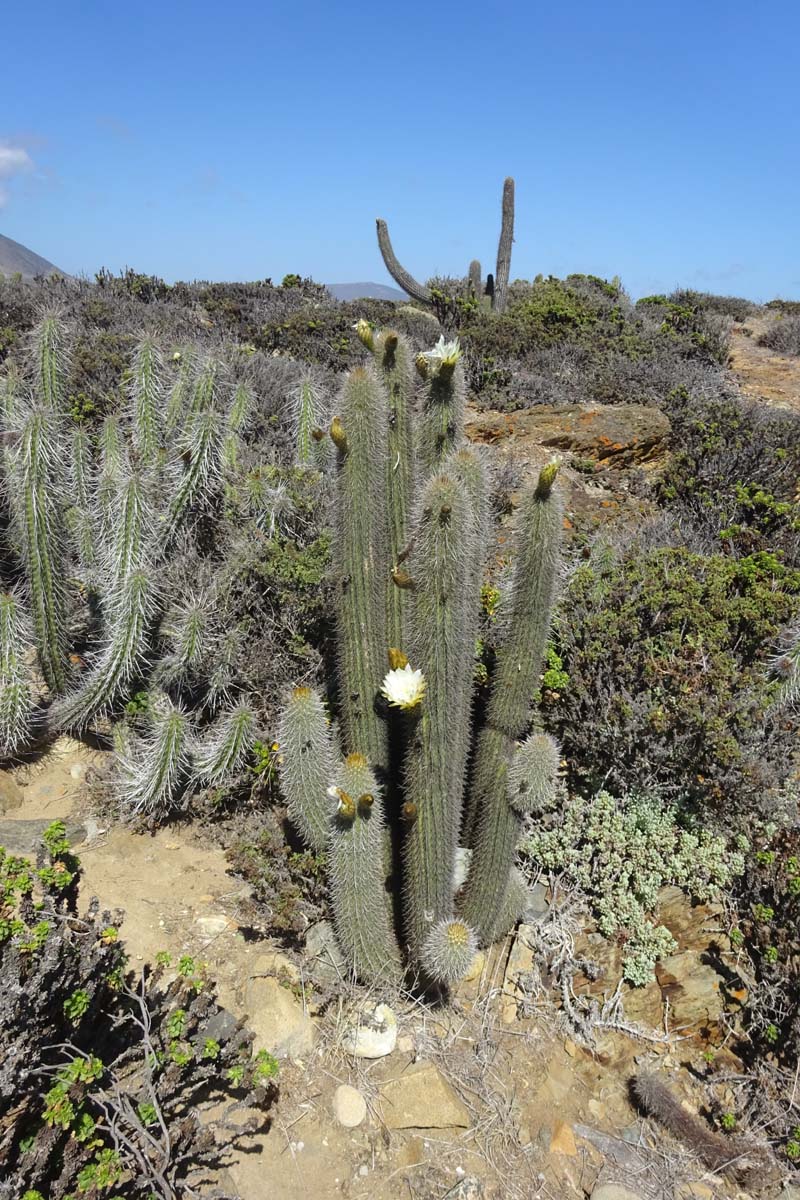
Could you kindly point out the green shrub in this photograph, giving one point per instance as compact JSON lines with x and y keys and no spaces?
{"x":783,"y":336}
{"x":102,"y":1073}
{"x":665,"y":654}
{"x":733,"y":472}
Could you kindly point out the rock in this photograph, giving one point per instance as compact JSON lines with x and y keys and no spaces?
{"x":421,"y":1098}
{"x":221,"y":1024}
{"x":619,"y":435}
{"x":469,"y":1188}
{"x":214,"y":925}
{"x":693,"y":1191}
{"x":372,"y":1032}
{"x":563,"y":1140}
{"x":273,"y":962}
{"x":349,"y":1106}
{"x":25,"y":837}
{"x":277,"y":1018}
{"x":614,"y":1191}
{"x":326,"y":960}
{"x":692,"y":989}
{"x":537,"y":903}
{"x":11,"y":796}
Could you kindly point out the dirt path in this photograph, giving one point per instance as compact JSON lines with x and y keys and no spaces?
{"x":762,"y":374}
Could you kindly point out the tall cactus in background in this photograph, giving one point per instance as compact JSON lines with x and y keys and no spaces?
{"x":496,"y":289}
{"x":435,"y":559}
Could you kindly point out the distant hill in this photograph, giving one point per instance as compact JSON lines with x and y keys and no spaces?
{"x":15,"y":258}
{"x":364,"y":291}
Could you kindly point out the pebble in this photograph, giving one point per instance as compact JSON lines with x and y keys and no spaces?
{"x":349,"y":1106}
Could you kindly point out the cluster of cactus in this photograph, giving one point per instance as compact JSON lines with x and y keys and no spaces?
{"x":95,"y":519}
{"x":495,"y":287}
{"x":383,"y":790}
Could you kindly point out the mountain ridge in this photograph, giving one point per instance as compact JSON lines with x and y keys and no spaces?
{"x":18,"y":259}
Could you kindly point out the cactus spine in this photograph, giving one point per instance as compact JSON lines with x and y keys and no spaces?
{"x":516,"y":679}
{"x":360,"y":904}
{"x":224,"y":750}
{"x":361,"y":559}
{"x":441,"y":422}
{"x":156,"y":765}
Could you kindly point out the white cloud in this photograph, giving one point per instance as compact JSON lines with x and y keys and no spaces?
{"x":14,"y":160}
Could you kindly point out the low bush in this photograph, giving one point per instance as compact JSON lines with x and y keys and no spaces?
{"x":734,"y":472}
{"x":665,"y":652}
{"x":104,"y":1077}
{"x":783,"y":336}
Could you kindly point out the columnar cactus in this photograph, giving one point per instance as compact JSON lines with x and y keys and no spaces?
{"x":496,"y":289}
{"x":361,"y":559}
{"x":516,"y":678}
{"x":391,"y":452}
{"x":16,"y":700}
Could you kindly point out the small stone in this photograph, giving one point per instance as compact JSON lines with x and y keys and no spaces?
{"x":405,"y":1044}
{"x":422,"y":1099}
{"x":372,"y":1033}
{"x":468,"y":1188}
{"x":614,"y":1191}
{"x":349,"y":1106}
{"x":214,"y":925}
{"x":77,"y":770}
{"x":597,"y":1109}
{"x":11,"y":796}
{"x":363,"y":1170}
{"x":570,"y":1047}
{"x":563,"y":1140}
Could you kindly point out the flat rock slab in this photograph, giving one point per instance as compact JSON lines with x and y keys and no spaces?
{"x":618,"y":435}
{"x":25,"y":837}
{"x":421,"y":1098}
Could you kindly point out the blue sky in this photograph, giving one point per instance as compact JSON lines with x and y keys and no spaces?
{"x":243,"y":140}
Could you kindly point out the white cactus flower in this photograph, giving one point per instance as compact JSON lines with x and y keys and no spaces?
{"x":404,"y":687}
{"x":444,"y":353}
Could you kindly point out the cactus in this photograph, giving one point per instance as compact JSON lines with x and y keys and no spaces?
{"x":156,"y":766}
{"x":146,"y":392}
{"x":129,"y":618}
{"x":393,"y":357}
{"x":306,"y":752}
{"x":439,"y":644}
{"x":504,"y":249}
{"x":16,"y":701}
{"x":429,"y":685}
{"x":449,"y":951}
{"x":516,"y":679}
{"x":441,"y":421}
{"x":50,"y":361}
{"x":199,"y":446}
{"x":309,"y":417}
{"x":361,"y":559}
{"x":35,"y":491}
{"x":356,"y":846}
{"x":224,"y":750}
{"x":496,"y":288}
